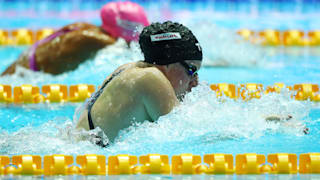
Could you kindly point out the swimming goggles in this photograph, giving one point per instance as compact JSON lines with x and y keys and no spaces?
{"x":191,"y":69}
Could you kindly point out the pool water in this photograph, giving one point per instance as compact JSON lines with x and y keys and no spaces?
{"x":202,"y":124}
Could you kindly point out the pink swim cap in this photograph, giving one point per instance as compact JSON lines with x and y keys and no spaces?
{"x":123,"y":19}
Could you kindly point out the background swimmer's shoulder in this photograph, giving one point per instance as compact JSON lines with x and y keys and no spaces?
{"x":80,"y":26}
{"x":88,"y":34}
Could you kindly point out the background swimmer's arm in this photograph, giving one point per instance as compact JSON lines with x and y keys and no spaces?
{"x":158,"y":95}
{"x":66,"y":52}
{"x":22,"y":61}
{"x":82,"y":30}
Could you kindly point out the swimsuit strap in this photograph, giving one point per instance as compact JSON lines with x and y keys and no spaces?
{"x":32,"y":55}
{"x":91,"y":126}
{"x":96,"y":96}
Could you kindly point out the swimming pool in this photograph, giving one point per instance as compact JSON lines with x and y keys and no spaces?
{"x":202,"y":124}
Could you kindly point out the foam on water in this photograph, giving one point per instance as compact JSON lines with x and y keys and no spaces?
{"x":201,"y":120}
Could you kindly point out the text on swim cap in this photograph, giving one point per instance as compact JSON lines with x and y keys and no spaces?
{"x":165,"y":36}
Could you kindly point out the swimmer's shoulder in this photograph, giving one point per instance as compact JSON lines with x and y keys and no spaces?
{"x":144,"y":73}
{"x":80,"y":26}
{"x":151,"y":79}
{"x":87,"y":34}
{"x":155,"y":91}
{"x":144,"y":76}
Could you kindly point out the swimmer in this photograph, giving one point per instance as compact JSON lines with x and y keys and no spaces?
{"x":73,"y":44}
{"x":146,"y":90}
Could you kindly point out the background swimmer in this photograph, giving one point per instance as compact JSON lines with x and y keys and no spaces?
{"x":148,"y":89}
{"x":73,"y":44}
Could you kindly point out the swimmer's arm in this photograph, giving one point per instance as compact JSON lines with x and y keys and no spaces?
{"x":10,"y":70}
{"x":22,"y":61}
{"x":91,"y":36}
{"x":83,"y":122}
{"x":66,"y":52}
{"x":158,"y":95}
{"x":87,"y":32}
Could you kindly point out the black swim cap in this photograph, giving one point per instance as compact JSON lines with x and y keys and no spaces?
{"x":168,"y":42}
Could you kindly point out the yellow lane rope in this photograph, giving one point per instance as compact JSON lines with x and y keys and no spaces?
{"x":92,"y":164}
{"x":58,"y":93}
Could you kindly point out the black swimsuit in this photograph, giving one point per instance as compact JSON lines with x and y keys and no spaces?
{"x":92,"y":100}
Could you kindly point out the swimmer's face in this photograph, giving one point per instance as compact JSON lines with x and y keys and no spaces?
{"x":184,"y":76}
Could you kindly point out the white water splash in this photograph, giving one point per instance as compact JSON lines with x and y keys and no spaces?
{"x":223,"y":47}
{"x":202,"y":114}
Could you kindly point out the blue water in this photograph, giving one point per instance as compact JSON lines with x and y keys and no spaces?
{"x":202,"y":124}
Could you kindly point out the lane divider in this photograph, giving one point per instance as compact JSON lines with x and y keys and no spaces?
{"x":58,"y":93}
{"x":53,"y":93}
{"x":252,"y":90}
{"x":23,"y":36}
{"x":273,"y":37}
{"x":92,"y":164}
{"x":267,"y":37}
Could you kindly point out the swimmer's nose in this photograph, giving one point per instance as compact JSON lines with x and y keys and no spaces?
{"x":193,"y":83}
